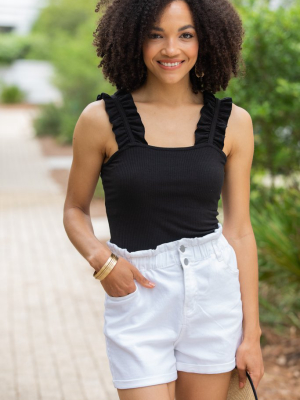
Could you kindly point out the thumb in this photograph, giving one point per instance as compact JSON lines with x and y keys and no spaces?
{"x":141,"y":279}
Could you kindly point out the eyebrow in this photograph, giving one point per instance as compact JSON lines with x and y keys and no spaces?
{"x":157,"y":28}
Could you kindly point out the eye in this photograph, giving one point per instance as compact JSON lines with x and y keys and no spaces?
{"x":191,"y":36}
{"x":156,"y":35}
{"x":153,"y":35}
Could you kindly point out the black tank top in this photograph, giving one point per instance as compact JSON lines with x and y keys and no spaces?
{"x":155,"y":195}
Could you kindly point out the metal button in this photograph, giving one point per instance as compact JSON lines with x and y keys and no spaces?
{"x":182,"y":248}
{"x":186,"y":261}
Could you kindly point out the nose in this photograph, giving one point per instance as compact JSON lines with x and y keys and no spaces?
{"x":170,"y":48}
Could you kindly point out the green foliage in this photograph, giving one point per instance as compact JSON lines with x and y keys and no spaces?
{"x":99,"y":192}
{"x":270,"y":90}
{"x":38,"y":48}
{"x":77,"y":74}
{"x":12,"y":47}
{"x":275,"y":217}
{"x":63,"y":16}
{"x":11,"y":94}
{"x":55,"y":120}
{"x":68,"y":29}
{"x":48,"y":121}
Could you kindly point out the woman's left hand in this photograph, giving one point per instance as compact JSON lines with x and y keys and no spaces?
{"x":249,"y":357}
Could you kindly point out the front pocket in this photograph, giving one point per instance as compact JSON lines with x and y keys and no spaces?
{"x":122,"y":298}
{"x":224,"y":293}
{"x":229,"y":259}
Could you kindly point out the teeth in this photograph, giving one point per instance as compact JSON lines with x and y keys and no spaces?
{"x":170,"y":64}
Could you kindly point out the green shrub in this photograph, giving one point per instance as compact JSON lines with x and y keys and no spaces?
{"x":48,"y":122}
{"x":37,"y":48}
{"x":69,"y":118}
{"x":67,"y":28}
{"x":31,"y":46}
{"x":270,"y":89}
{"x":12,"y":47}
{"x":59,"y":123}
{"x":276,"y":224}
{"x":12,"y":94}
{"x":63,"y":16}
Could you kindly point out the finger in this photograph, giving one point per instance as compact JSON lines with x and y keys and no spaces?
{"x":255,"y":379}
{"x":141,"y":279}
{"x":242,"y":377}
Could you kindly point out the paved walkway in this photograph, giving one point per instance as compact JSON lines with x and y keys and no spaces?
{"x":52,"y":345}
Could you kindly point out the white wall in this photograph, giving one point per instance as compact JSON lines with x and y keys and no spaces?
{"x":20,"y":14}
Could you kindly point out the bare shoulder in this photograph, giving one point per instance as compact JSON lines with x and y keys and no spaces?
{"x":93,"y":124}
{"x":89,"y":148}
{"x":240,"y":130}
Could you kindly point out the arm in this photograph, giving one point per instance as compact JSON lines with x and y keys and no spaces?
{"x":237,"y":226}
{"x":92,"y":135}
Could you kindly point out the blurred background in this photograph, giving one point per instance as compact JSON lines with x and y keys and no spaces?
{"x":51,"y":340}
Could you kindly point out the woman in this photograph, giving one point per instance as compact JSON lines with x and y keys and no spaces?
{"x":181,"y":292}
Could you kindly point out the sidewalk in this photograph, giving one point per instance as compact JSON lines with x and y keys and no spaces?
{"x":51,"y":342}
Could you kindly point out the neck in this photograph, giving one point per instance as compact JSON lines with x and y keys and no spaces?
{"x":168,"y":94}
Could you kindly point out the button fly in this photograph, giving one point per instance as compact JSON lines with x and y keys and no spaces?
{"x":182,"y":248}
{"x":186,"y":261}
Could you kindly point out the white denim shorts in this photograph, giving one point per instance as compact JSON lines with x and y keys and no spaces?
{"x":190,"y":321}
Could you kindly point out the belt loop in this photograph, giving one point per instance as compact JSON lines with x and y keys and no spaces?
{"x":217,"y":251}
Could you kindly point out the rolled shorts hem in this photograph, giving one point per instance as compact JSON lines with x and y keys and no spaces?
{"x":206,"y":369}
{"x":147,"y":381}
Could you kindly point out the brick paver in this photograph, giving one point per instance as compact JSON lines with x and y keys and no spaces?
{"x":52,"y":345}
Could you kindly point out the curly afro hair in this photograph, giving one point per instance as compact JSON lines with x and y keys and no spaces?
{"x":125,"y":24}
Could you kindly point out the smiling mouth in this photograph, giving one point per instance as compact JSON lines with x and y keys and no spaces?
{"x":170,"y":64}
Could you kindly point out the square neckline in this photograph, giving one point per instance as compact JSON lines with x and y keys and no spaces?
{"x":130,"y":131}
{"x":143,"y":129}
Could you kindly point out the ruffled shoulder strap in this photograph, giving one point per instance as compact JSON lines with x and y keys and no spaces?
{"x":214,"y":119}
{"x":123,"y":116}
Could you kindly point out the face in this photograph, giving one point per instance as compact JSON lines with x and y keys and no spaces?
{"x":172,"y":40}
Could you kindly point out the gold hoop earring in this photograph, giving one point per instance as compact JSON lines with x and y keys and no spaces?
{"x":197,"y":75}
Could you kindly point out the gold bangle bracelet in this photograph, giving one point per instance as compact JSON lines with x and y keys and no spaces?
{"x":107,"y":267}
{"x":112,"y":256}
{"x":111,"y":261}
{"x":107,"y":264}
{"x":107,"y":270}
{"x":103,"y":270}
